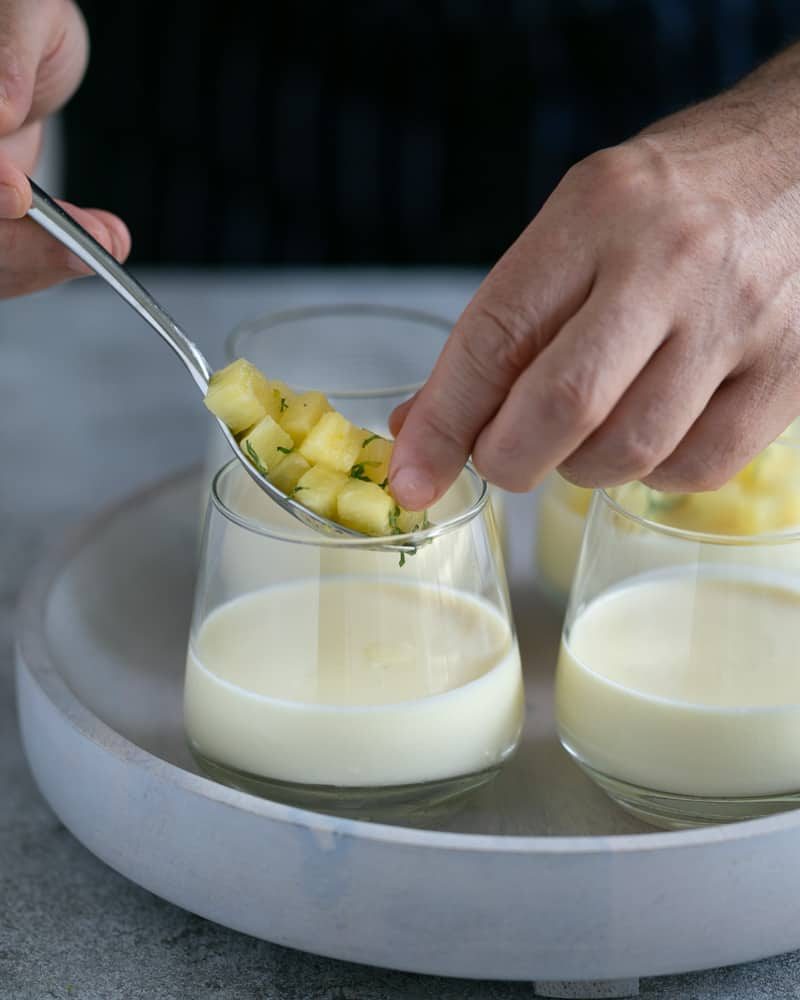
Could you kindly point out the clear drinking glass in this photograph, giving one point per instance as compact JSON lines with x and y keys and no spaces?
{"x":560,"y":519}
{"x":322,"y":672}
{"x":678,"y":682}
{"x":366,"y":358}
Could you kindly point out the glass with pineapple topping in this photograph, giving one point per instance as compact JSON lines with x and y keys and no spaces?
{"x":334,"y":674}
{"x":762,"y":497}
{"x":678,"y":688}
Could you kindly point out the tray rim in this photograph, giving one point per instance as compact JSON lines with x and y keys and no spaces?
{"x":34,"y":652}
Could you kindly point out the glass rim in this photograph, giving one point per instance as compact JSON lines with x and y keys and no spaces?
{"x":320,"y":540}
{"x":781,"y":537}
{"x":258,"y":324}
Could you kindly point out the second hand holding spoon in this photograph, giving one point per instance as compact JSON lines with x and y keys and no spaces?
{"x":51,"y":217}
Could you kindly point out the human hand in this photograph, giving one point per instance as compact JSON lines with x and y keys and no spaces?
{"x":43,"y":52}
{"x":644,"y":325}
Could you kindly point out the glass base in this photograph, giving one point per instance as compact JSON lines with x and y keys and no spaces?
{"x":672,"y":811}
{"x":422,"y":801}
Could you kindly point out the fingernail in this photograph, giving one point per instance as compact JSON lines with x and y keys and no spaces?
{"x":10,"y":202}
{"x":414,"y":487}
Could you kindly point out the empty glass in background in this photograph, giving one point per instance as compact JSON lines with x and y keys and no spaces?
{"x":678,"y":683}
{"x":367,"y":359}
{"x":332,"y":674}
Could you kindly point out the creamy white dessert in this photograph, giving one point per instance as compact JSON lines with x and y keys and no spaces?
{"x":354,"y":682}
{"x":687,"y":682}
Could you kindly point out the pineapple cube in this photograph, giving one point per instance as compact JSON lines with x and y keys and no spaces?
{"x":407,"y":521}
{"x":374,"y":457}
{"x":282,"y":397}
{"x":365,"y":507}
{"x":302,"y":413}
{"x":239,"y":395}
{"x":723,"y":511}
{"x":318,"y":489}
{"x":333,"y":442}
{"x":266,"y":444}
{"x":286,"y":474}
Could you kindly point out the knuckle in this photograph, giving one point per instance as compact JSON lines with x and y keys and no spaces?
{"x":706,"y":233}
{"x":499,"y":463}
{"x":638,"y":456}
{"x":756,"y":293}
{"x":574,"y":399}
{"x":617,"y":175}
{"x":496,"y":341}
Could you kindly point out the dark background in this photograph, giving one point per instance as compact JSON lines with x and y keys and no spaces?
{"x":378,"y":132}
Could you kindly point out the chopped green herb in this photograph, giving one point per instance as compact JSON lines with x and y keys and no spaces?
{"x":284,"y":404}
{"x":254,"y":458}
{"x":357,"y":472}
{"x":393,"y":516}
{"x":402,"y":559}
{"x":285,"y":451}
{"x":372,"y":437}
{"x":297,"y":490}
{"x":384,"y":484}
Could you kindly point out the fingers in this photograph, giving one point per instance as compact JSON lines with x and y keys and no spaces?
{"x":572,"y":386}
{"x":399,"y":414}
{"x":22,"y":149}
{"x":519,"y":307}
{"x":745,"y":415}
{"x":652,"y":417}
{"x":37,"y":261}
{"x":43,"y":54}
{"x":15,"y":191}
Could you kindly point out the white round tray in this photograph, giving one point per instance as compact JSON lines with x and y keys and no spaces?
{"x":540,"y":877}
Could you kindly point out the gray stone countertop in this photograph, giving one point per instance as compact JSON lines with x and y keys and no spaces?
{"x":91,"y":407}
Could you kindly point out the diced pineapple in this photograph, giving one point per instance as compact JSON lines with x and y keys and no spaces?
{"x":576,"y":497}
{"x":282,"y":397}
{"x":407,"y":521}
{"x":286,"y":474}
{"x":239,"y":395}
{"x":267,"y":444}
{"x":788,"y":512}
{"x":365,"y":507}
{"x":333,"y":442}
{"x":724,"y":511}
{"x":318,"y":489}
{"x":374,"y":457}
{"x":302,"y":413}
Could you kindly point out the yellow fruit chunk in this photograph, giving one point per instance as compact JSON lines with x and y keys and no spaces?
{"x":318,"y":489}
{"x":239,"y":395}
{"x":407,"y":521}
{"x":576,"y":497}
{"x":282,"y":397}
{"x":286,"y":474}
{"x":302,"y":413}
{"x":373,"y":459}
{"x":267,"y":444}
{"x":333,"y":442}
{"x":365,"y":507}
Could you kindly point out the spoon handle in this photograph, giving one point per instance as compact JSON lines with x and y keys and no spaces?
{"x":52,"y":217}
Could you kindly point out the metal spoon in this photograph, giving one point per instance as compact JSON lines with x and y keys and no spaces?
{"x":50,"y":216}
